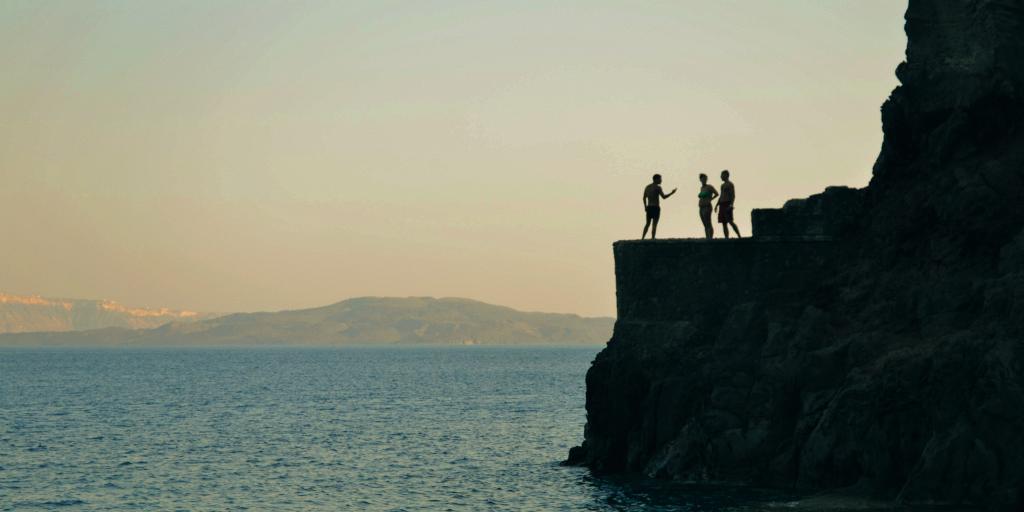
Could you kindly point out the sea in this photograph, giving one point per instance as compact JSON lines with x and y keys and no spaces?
{"x":361,"y":428}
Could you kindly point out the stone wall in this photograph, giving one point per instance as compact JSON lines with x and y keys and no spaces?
{"x":669,"y":280}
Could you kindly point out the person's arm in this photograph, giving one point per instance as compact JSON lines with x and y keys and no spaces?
{"x":666,"y":196}
{"x":644,"y":200}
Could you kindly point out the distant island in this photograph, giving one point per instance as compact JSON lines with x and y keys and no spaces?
{"x":359,"y":321}
{"x":32,"y":313}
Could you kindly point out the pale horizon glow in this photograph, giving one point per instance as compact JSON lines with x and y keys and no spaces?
{"x":256,"y":155}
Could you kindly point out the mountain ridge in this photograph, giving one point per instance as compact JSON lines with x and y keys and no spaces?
{"x":355,"y":321}
{"x":34,"y":313}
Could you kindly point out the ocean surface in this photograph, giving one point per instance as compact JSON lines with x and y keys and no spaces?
{"x":428,"y":428}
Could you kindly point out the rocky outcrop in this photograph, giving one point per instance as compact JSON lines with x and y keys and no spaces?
{"x":869,"y":341}
{"x":831,"y":214}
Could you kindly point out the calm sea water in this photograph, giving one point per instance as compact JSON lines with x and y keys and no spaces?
{"x":309,"y":429}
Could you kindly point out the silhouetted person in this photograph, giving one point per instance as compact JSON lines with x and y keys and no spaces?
{"x":652,"y":205}
{"x":725,"y":204}
{"x":706,"y":195}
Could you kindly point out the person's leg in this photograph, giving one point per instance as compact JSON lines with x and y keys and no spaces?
{"x":725,"y":229}
{"x":736,"y":229}
{"x":646,"y":226}
{"x":654,"y":229}
{"x":705,"y":217}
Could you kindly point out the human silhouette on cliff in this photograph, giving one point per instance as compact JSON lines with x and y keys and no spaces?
{"x":725,"y":204}
{"x":705,"y":196}
{"x":652,"y":205}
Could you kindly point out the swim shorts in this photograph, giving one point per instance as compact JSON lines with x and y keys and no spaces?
{"x":724,"y":213}
{"x":653,"y":212}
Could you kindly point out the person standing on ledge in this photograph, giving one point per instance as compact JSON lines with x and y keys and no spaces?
{"x":652,"y":205}
{"x":706,"y":195}
{"x":725,"y":204}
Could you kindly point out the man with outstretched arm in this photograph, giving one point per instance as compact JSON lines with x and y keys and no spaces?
{"x":652,"y":205}
{"x":725,"y":204}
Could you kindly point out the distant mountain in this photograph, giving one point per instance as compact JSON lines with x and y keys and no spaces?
{"x":361,"y":321}
{"x":19,"y":313}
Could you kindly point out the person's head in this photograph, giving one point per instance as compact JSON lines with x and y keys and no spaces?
{"x":656,"y":179}
{"x":725,"y":175}
{"x":703,"y":179}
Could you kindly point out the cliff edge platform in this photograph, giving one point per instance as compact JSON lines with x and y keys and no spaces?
{"x":864,"y":341}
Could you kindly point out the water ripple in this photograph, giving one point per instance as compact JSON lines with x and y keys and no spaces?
{"x":302,"y":429}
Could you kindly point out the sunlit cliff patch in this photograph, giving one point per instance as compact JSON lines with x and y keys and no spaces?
{"x":31,"y":313}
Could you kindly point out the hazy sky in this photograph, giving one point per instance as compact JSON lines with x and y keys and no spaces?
{"x":246,"y":155}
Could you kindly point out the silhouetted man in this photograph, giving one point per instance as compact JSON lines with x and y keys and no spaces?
{"x":705,"y":196}
{"x":725,"y":204}
{"x":652,"y":198}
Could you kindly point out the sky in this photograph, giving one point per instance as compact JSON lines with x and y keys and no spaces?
{"x":251,"y":155}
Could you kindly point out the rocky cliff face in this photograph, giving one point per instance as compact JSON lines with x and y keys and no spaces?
{"x":866,"y":341}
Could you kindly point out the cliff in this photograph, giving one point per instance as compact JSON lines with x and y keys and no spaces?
{"x":360,"y":321}
{"x":864,"y":341}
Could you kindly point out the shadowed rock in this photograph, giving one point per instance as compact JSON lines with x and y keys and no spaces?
{"x":868,"y":341}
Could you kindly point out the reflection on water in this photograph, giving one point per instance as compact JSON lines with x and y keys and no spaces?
{"x":636,"y":494}
{"x":629,"y":494}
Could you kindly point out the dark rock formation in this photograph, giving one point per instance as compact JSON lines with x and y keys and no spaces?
{"x":831,"y":214}
{"x":878,"y":353}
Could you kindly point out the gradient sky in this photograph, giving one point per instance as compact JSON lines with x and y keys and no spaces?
{"x":251,"y":155}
